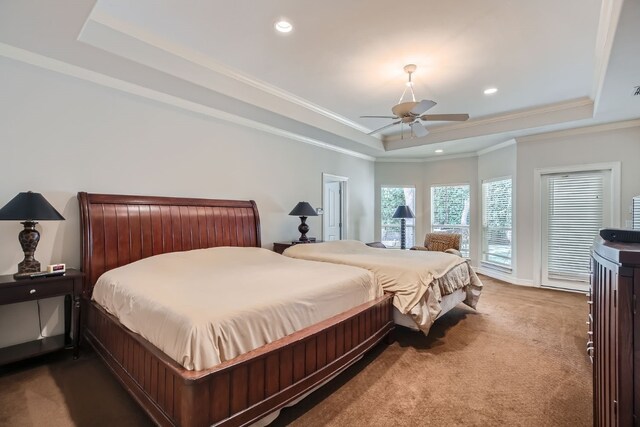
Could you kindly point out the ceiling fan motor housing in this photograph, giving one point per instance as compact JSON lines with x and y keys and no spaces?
{"x":404,"y":109}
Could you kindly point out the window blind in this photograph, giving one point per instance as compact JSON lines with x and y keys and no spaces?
{"x":496,"y":222}
{"x":575,"y":215}
{"x":636,"y":213}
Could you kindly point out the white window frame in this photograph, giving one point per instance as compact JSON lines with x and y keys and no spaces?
{"x":468,"y":227}
{"x":407,"y":225}
{"x":614,"y":167}
{"x":488,"y":264}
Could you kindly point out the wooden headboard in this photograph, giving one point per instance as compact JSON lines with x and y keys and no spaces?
{"x":118,"y":230}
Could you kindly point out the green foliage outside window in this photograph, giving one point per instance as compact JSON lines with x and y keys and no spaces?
{"x":450,"y":205}
{"x":497,"y":213}
{"x":390,"y":200}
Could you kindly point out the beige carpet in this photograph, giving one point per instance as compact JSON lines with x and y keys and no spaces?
{"x":518,"y":361}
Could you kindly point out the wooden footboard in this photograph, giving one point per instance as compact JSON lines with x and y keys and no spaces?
{"x":244,"y":389}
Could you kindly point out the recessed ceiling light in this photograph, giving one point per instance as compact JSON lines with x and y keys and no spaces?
{"x":283,"y":26}
{"x":439,"y":150}
{"x":490,"y":91}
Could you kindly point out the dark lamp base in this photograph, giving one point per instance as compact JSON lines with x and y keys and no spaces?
{"x":28,"y":238}
{"x":24,"y":275}
{"x":303,"y":228}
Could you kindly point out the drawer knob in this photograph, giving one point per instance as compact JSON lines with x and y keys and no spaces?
{"x":32,"y":291}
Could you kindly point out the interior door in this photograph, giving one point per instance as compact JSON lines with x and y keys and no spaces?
{"x":332,"y":225}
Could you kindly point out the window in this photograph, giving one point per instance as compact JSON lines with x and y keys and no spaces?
{"x":496,"y":222}
{"x":450,"y":212}
{"x":390,"y":199}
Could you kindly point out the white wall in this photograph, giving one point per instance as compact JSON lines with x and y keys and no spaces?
{"x":587,"y":146}
{"x":60,"y":135}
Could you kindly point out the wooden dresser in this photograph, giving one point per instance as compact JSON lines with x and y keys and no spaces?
{"x":614,"y":333}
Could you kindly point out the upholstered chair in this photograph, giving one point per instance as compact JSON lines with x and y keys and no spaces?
{"x":441,"y":242}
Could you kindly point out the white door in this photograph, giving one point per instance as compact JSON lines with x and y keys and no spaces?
{"x":574,"y":207}
{"x":332,"y":211}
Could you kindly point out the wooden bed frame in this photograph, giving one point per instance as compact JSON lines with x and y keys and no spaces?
{"x":117,"y":230}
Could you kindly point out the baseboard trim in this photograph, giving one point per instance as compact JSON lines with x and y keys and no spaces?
{"x":494,"y":274}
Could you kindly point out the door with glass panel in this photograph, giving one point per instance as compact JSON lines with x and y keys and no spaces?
{"x":575,"y":206}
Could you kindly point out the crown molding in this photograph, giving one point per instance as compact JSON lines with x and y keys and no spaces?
{"x":580,"y":131}
{"x":496,"y":147}
{"x":70,"y":70}
{"x":510,"y":116}
{"x":576,"y":109}
{"x":205,"y":61}
{"x":425,"y":159}
{"x":610,"y":11}
{"x":398,"y":160}
{"x":449,"y":157}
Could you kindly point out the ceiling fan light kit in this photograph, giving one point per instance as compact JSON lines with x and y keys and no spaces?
{"x":411,"y":112}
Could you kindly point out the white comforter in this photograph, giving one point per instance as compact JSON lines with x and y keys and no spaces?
{"x":206,"y":306}
{"x":419,"y":279}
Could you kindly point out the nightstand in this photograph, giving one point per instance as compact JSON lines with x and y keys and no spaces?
{"x":69,"y":286}
{"x":280,"y":247}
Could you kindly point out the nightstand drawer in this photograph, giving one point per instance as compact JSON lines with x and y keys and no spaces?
{"x":26,"y":290}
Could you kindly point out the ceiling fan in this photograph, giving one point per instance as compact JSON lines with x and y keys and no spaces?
{"x":411,"y":112}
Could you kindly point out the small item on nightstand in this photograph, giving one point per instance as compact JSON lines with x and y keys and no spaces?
{"x":56,"y":268}
{"x":46,"y":274}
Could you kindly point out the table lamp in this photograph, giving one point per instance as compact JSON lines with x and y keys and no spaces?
{"x":29,"y":207}
{"x":303,"y":210}
{"x":403,"y":212}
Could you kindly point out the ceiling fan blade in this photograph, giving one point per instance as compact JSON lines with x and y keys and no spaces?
{"x":384,"y":127}
{"x":378,"y":117}
{"x":418,"y":129}
{"x":422,"y":106}
{"x":445,"y":117}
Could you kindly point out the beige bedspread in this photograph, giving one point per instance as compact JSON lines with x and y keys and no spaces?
{"x":205,"y":306}
{"x":419,"y":279}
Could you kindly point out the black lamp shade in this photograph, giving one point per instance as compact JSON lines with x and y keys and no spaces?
{"x":403,"y":211}
{"x":29,"y":206}
{"x":303,"y":209}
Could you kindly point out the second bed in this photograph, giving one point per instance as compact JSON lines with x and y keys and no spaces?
{"x":425,"y":284}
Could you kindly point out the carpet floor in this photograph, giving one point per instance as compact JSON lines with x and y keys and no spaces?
{"x":519,"y":360}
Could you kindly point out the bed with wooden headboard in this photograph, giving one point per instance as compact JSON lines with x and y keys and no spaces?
{"x":118,"y":230}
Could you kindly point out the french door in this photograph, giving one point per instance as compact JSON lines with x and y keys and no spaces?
{"x":575,"y":206}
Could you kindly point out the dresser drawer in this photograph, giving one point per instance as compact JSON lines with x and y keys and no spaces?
{"x":26,"y":290}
